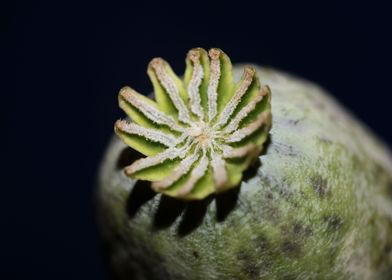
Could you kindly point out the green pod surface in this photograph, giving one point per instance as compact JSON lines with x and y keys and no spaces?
{"x":317,"y":205}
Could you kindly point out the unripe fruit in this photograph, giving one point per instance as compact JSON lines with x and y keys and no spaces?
{"x":317,"y":204}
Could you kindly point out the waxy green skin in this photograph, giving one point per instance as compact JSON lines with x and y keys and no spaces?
{"x":318,"y":207}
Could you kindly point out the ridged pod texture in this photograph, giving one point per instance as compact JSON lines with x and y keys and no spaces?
{"x":317,"y":204}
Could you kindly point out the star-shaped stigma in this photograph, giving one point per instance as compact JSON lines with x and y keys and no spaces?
{"x":201,"y":133}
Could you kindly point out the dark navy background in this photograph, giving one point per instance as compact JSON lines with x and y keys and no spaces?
{"x":63,"y":64}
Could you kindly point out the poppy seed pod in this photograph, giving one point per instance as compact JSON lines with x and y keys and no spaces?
{"x":263,"y":180}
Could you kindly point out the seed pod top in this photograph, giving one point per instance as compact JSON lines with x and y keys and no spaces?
{"x":202,"y":132}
